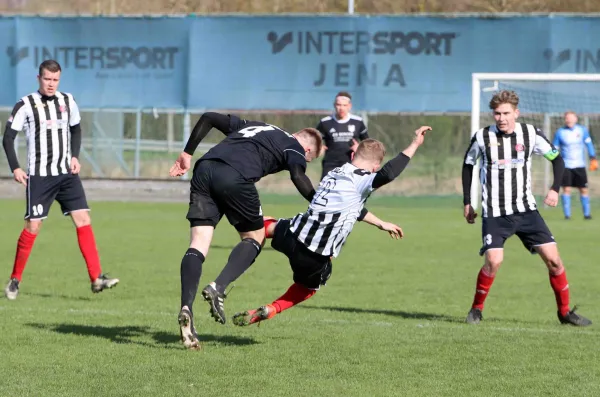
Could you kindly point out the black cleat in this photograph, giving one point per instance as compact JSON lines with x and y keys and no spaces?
{"x":567,"y":218}
{"x":587,"y":217}
{"x":215,"y":299}
{"x":574,"y":319}
{"x":474,"y":316}
{"x":187,"y":331}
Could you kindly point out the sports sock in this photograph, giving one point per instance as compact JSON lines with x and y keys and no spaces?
{"x":191,"y":270}
{"x":585,"y":204}
{"x":24,"y":246}
{"x":269,"y":222}
{"x":566,"y":204}
{"x":560,"y":285}
{"x":295,"y":294}
{"x":484,"y":283}
{"x":241,"y":258}
{"x":87,"y":245}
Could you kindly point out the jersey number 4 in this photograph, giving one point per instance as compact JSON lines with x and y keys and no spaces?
{"x":321,"y":197}
{"x":249,"y":132}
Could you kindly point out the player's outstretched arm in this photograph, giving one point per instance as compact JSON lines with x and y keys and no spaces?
{"x":395,"y":166}
{"x":208,"y":121}
{"x":394,"y":230}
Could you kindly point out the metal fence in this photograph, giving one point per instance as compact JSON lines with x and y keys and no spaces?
{"x":142,"y":144}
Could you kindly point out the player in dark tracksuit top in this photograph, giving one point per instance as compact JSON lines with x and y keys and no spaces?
{"x":341,"y":133}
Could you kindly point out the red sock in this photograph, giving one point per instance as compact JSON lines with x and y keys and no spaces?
{"x":24,"y":246}
{"x":484,"y":283}
{"x":87,"y":245}
{"x":560,"y":285}
{"x":295,"y":294}
{"x":267,"y":223}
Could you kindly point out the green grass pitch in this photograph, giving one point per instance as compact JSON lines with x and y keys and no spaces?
{"x":389,"y":322}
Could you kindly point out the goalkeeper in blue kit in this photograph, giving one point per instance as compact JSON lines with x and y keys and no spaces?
{"x":572,"y":140}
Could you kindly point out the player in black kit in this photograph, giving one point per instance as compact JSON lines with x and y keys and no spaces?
{"x":223,"y":184}
{"x":341,"y":133}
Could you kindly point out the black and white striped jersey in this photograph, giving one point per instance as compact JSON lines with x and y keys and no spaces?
{"x":334,"y":210}
{"x":505,"y":173}
{"x":46,"y":122}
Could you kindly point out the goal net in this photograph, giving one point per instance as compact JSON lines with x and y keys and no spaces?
{"x":543,"y":100}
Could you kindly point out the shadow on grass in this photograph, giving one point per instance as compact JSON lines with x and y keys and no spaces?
{"x":59,"y":296}
{"x":395,"y":313}
{"x":135,"y":334}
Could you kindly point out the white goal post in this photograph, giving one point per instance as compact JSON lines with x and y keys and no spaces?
{"x":544,"y":97}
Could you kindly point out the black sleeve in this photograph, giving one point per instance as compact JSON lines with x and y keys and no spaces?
{"x":75,"y":140}
{"x":208,"y":121}
{"x":467,"y":177}
{"x":364,"y":132}
{"x":390,"y":170}
{"x":362,"y":214}
{"x":302,"y":182}
{"x":558,"y":169}
{"x":9,"y":147}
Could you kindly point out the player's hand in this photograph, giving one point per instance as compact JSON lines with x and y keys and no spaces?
{"x":551,"y":198}
{"x":420,"y":134}
{"x":354,"y":145}
{"x":20,"y":176}
{"x":75,"y":166}
{"x":182,"y":165}
{"x":323,"y":150}
{"x":593,"y":165}
{"x":394,"y":230}
{"x":470,"y":214}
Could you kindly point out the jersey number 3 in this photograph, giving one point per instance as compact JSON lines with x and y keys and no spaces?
{"x":321,"y":197}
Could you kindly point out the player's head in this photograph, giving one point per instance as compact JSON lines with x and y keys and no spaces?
{"x":49,"y":77}
{"x":369,"y":155}
{"x":311,"y":141}
{"x":342,"y":104}
{"x":505,"y":107}
{"x":570,"y":119}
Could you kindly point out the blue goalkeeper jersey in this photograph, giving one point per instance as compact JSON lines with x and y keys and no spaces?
{"x":572,"y":143}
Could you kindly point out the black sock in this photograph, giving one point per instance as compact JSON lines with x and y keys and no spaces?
{"x":191,"y":270}
{"x":240,"y":259}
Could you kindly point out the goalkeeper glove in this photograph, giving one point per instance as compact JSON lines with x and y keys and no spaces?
{"x":593,"y":165}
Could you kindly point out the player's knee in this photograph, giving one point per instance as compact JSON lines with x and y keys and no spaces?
{"x":554,"y":264}
{"x":81,"y":218}
{"x":33,"y":227}
{"x":254,"y":243}
{"x":492,"y":265}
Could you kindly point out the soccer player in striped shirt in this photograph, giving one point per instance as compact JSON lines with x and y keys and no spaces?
{"x":572,"y":140}
{"x":312,"y":238}
{"x":50,"y":120}
{"x":508,"y":205}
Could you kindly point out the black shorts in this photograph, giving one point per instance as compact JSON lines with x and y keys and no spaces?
{"x":217,"y":189}
{"x":41,"y":192}
{"x":528,"y":226}
{"x":310,"y":269}
{"x":575,"y":177}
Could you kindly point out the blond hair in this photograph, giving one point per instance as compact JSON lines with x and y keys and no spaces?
{"x":504,"y":96}
{"x":313,"y":137}
{"x":370,"y":150}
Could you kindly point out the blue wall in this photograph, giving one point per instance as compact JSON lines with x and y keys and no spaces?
{"x":233,"y":62}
